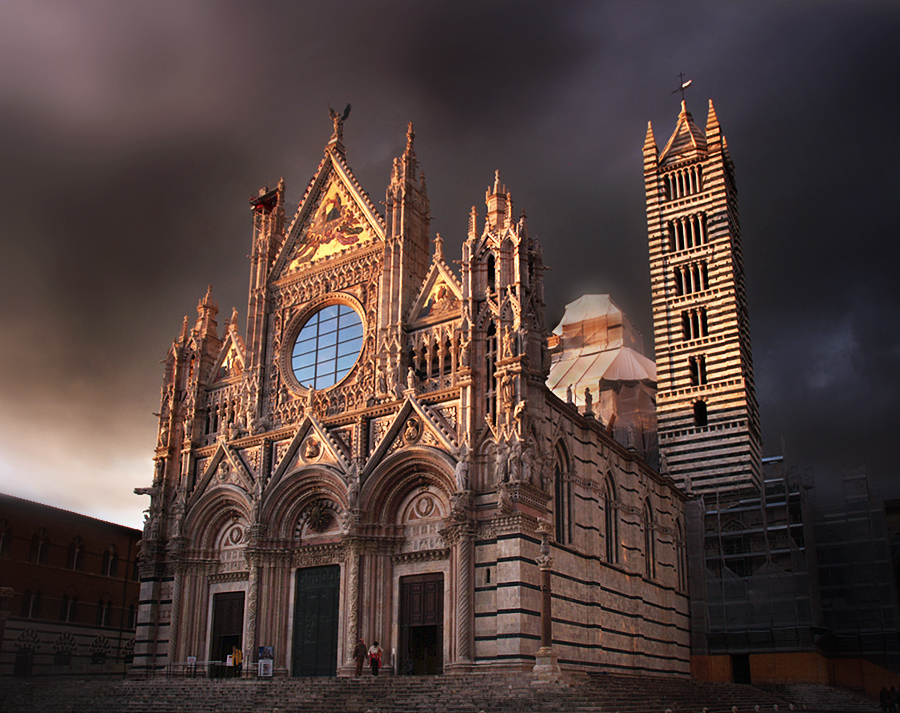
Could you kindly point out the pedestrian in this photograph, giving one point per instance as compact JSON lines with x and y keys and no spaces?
{"x":236,"y":658}
{"x":359,"y":653}
{"x":375,"y":657}
{"x":408,"y":667}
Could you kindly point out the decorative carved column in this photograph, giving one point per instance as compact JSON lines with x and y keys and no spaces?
{"x":546,"y":669}
{"x":464,"y":547}
{"x":353,"y":554}
{"x":175,"y":617}
{"x":253,"y":558}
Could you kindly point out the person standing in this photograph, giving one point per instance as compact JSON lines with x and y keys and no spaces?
{"x":359,"y":653}
{"x":375,"y":653}
{"x":236,"y":658}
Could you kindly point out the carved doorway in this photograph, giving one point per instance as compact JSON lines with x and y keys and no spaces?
{"x":422,"y":623}
{"x":316,"y":621}
{"x":228,"y":624}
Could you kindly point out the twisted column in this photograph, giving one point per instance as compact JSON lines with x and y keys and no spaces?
{"x":250,"y":632}
{"x":352,"y":601}
{"x":464,"y":595}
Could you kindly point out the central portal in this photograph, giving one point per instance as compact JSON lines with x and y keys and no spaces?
{"x":422,"y":623}
{"x":316,"y":621}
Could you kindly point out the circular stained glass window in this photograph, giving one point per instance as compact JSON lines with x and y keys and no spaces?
{"x":327,"y":347}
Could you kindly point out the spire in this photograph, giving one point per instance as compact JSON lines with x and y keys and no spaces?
{"x":649,"y":139}
{"x":206,"y":316}
{"x":473,"y":223}
{"x":498,"y":204}
{"x":686,"y":141}
{"x":713,"y":130}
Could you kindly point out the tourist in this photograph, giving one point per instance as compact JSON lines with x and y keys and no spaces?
{"x":375,"y":657}
{"x":359,"y":653}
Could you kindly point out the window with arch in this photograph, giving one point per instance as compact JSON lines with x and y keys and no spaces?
{"x":562,"y":498}
{"x":491,"y":272}
{"x":67,"y":609}
{"x":5,"y":538}
{"x":110,"y":563}
{"x":697,"y":369}
{"x":694,"y":324}
{"x":31,"y":603}
{"x":610,"y":521}
{"x":649,"y":542}
{"x":701,"y":416}
{"x":687,"y":232}
{"x":40,"y":547}
{"x":104,"y":612}
{"x":75,"y":558}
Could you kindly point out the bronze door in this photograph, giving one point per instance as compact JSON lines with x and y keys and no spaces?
{"x":422,"y":623}
{"x":228,"y":624}
{"x":316,"y":621}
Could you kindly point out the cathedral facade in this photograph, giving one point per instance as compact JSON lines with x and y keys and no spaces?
{"x":378,"y":456}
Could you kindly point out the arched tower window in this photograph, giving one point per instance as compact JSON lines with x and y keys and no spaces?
{"x":610,"y":521}
{"x":649,"y":542}
{"x":700,"y":414}
{"x":491,"y":272}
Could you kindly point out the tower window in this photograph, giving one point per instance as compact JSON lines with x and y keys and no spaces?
{"x":697,"y":369}
{"x":683,"y":182}
{"x":694,"y":324}
{"x":700,"y":414}
{"x":691,"y":278}
{"x":687,"y":232}
{"x":491,"y":273}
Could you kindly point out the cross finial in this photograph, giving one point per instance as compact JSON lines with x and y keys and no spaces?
{"x":684,"y":85}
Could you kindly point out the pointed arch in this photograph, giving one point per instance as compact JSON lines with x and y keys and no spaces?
{"x":680,"y":557}
{"x":387,"y":487}
{"x":649,"y":541}
{"x":287,"y":504}
{"x":610,"y":519}
{"x":562,"y":495}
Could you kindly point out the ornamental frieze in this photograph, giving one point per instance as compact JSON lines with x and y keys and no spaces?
{"x":318,"y":555}
{"x":423,"y":556}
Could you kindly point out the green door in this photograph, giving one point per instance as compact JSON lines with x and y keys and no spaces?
{"x":316,"y":621}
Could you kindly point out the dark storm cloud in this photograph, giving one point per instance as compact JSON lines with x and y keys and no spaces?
{"x":132,"y":135}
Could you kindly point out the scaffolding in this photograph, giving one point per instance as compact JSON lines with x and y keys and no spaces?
{"x":771,"y":573}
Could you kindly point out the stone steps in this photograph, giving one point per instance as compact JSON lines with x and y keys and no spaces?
{"x":470,"y":693}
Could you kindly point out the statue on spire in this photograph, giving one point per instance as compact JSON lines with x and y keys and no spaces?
{"x":338,"y":121}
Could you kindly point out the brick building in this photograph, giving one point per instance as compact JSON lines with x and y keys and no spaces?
{"x":68,"y":591}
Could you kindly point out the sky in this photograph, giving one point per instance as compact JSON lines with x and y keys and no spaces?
{"x":133,"y":134}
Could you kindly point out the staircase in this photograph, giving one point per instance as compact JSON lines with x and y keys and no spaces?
{"x":470,"y":693}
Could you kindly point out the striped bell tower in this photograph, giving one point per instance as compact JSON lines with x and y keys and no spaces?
{"x":706,"y":404}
